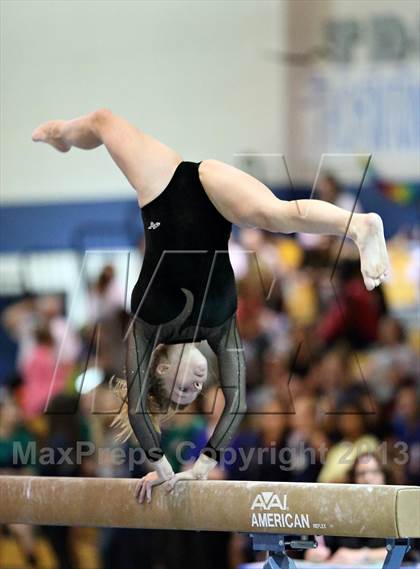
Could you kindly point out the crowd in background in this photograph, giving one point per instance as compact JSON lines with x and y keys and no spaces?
{"x":332,"y":373}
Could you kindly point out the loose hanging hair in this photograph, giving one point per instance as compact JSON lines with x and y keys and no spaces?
{"x":160,"y":407}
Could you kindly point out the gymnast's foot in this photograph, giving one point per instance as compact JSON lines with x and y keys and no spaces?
{"x":50,"y":132}
{"x":368,"y":234}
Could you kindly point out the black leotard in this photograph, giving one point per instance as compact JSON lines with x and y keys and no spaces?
{"x":186,"y":247}
{"x":185,"y":292}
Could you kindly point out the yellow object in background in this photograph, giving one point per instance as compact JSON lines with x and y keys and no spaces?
{"x":401,"y":289}
{"x":290,"y":253}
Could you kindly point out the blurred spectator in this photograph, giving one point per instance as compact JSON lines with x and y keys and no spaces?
{"x":23,"y":318}
{"x":390,"y":360}
{"x":366,"y":469}
{"x":105,"y":296}
{"x":330,"y":190}
{"x":306,"y":441}
{"x":354,"y":439}
{"x":406,"y":430}
{"x":20,"y":319}
{"x":271,"y":462}
{"x":254,"y":338}
{"x":354,"y":315}
{"x":259,"y":251}
{"x":66,"y":340}
{"x":42,"y":375}
{"x":275,"y":384}
{"x":335,"y":370}
{"x":110,"y":347}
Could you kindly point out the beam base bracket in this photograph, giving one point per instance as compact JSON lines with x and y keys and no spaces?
{"x":277,"y":545}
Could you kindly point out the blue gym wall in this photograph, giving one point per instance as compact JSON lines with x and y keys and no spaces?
{"x":85,"y":225}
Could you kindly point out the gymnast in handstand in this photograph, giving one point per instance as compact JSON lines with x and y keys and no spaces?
{"x":186,"y":290}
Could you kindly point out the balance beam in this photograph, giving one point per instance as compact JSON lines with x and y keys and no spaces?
{"x":252,"y":507}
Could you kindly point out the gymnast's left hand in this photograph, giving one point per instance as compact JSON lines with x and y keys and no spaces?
{"x":200,"y":471}
{"x":163,"y":471}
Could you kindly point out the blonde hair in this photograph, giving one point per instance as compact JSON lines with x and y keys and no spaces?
{"x":160,"y":407}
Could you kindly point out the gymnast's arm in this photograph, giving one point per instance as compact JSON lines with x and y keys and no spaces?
{"x":142,"y":341}
{"x":227,"y":345}
{"x":232,"y":376}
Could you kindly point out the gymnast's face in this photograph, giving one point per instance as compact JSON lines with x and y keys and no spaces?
{"x":184,"y":371}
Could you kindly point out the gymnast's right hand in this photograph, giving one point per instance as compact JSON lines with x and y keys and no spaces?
{"x":163,"y":472}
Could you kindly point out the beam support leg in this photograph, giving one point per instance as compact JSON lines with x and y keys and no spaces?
{"x":397,"y":548}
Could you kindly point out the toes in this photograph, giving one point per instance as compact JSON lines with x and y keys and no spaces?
{"x":373,"y":282}
{"x":38,"y":135}
{"x":369,"y":283}
{"x":50,"y":133}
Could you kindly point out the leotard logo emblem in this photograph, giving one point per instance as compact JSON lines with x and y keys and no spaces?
{"x":154,"y":225}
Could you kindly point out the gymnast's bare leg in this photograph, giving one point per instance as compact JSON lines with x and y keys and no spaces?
{"x":247,"y":202}
{"x":148,"y":165}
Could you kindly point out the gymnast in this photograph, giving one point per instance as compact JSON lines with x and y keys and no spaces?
{"x":186,"y":290}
